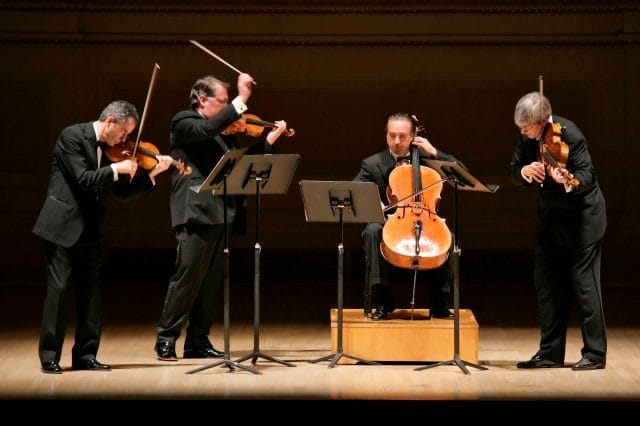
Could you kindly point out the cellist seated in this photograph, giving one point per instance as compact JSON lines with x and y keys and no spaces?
{"x":401,"y":135}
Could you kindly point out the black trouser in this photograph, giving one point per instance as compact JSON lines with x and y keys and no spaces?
{"x":192,"y":294}
{"x":78,"y":266}
{"x":558,"y":272}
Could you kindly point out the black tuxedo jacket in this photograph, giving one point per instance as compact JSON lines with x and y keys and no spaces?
{"x":77,"y":189}
{"x":199,"y":143}
{"x":566,"y":219}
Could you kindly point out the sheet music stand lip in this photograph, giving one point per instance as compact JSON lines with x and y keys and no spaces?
{"x":276,"y":170}
{"x":329,"y":201}
{"x":218,"y":179}
{"x":451,"y":172}
{"x":316,"y":196}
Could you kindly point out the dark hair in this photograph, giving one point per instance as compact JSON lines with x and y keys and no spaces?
{"x":402,"y":116}
{"x":204,"y":86}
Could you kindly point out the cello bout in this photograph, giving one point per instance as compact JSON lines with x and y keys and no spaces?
{"x":415,"y":236}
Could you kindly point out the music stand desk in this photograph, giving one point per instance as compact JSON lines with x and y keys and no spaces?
{"x":461,"y":180}
{"x":272,"y":174}
{"x":219,"y":180}
{"x":340,"y":202}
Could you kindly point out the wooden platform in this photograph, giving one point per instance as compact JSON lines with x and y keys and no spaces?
{"x":400,"y":338}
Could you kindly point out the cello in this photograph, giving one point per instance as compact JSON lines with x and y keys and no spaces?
{"x":415,"y":237}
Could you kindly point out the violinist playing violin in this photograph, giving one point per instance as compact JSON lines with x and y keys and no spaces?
{"x":571,"y":223}
{"x":71,"y":222}
{"x":199,"y":137}
{"x":401,"y":135}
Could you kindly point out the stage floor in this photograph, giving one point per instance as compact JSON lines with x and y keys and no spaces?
{"x":295,"y":327}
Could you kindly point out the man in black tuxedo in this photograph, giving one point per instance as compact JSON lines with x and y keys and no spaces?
{"x":71,"y":222}
{"x":198,"y":218}
{"x":401,"y":136}
{"x":571,"y":224}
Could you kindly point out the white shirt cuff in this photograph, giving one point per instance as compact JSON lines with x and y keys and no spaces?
{"x":527,"y":178}
{"x":239,"y":105}
{"x":115,"y":172}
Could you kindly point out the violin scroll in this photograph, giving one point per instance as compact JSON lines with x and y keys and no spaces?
{"x":182,"y":169}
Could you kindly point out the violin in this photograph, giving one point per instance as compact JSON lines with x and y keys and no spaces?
{"x":145,"y":155}
{"x":144,"y":152}
{"x":415,"y":237}
{"x":252,"y":125}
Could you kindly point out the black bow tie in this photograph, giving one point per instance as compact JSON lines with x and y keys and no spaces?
{"x":403,"y":160}
{"x":103,"y":145}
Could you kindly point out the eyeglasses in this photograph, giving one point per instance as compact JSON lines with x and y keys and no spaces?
{"x":526,"y":128}
{"x":219,"y":99}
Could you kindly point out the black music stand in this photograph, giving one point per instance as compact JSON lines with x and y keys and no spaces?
{"x":218,"y":179}
{"x":352,"y":202}
{"x":272,"y":174}
{"x":462,"y":180}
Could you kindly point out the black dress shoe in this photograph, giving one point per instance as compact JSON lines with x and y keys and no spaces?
{"x":382,"y":312}
{"x":446,"y":314}
{"x":588,"y":364}
{"x":90,"y":364}
{"x":206,"y":351}
{"x":166,"y":351}
{"x":538,"y":362}
{"x":51,"y":367}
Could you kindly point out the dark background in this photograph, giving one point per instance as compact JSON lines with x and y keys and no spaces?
{"x":334,"y":70}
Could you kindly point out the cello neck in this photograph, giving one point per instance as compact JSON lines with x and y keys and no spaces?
{"x":417,"y":177}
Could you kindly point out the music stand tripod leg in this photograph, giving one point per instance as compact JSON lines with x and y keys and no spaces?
{"x":256,"y":354}
{"x":339,"y":352}
{"x":327,"y":201}
{"x":256,"y":293}
{"x":226,"y":361}
{"x":456,"y":325}
{"x":227,"y":358}
{"x":460,"y":178}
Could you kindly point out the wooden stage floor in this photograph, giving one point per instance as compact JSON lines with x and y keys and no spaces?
{"x":295,"y":327}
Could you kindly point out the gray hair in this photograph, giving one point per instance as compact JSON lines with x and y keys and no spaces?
{"x":532,"y":108}
{"x":204,"y":86}
{"x":120,"y":110}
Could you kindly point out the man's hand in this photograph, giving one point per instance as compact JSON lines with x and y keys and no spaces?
{"x":245,"y":82}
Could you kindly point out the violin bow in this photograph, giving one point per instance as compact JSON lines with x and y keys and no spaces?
{"x":540,"y":85}
{"x":152,"y":83}
{"x":195,"y":43}
{"x":541,"y":142}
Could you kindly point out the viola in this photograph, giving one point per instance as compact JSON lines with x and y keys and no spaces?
{"x":553,"y":151}
{"x":252,"y":125}
{"x":145,"y":155}
{"x":415,"y":237}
